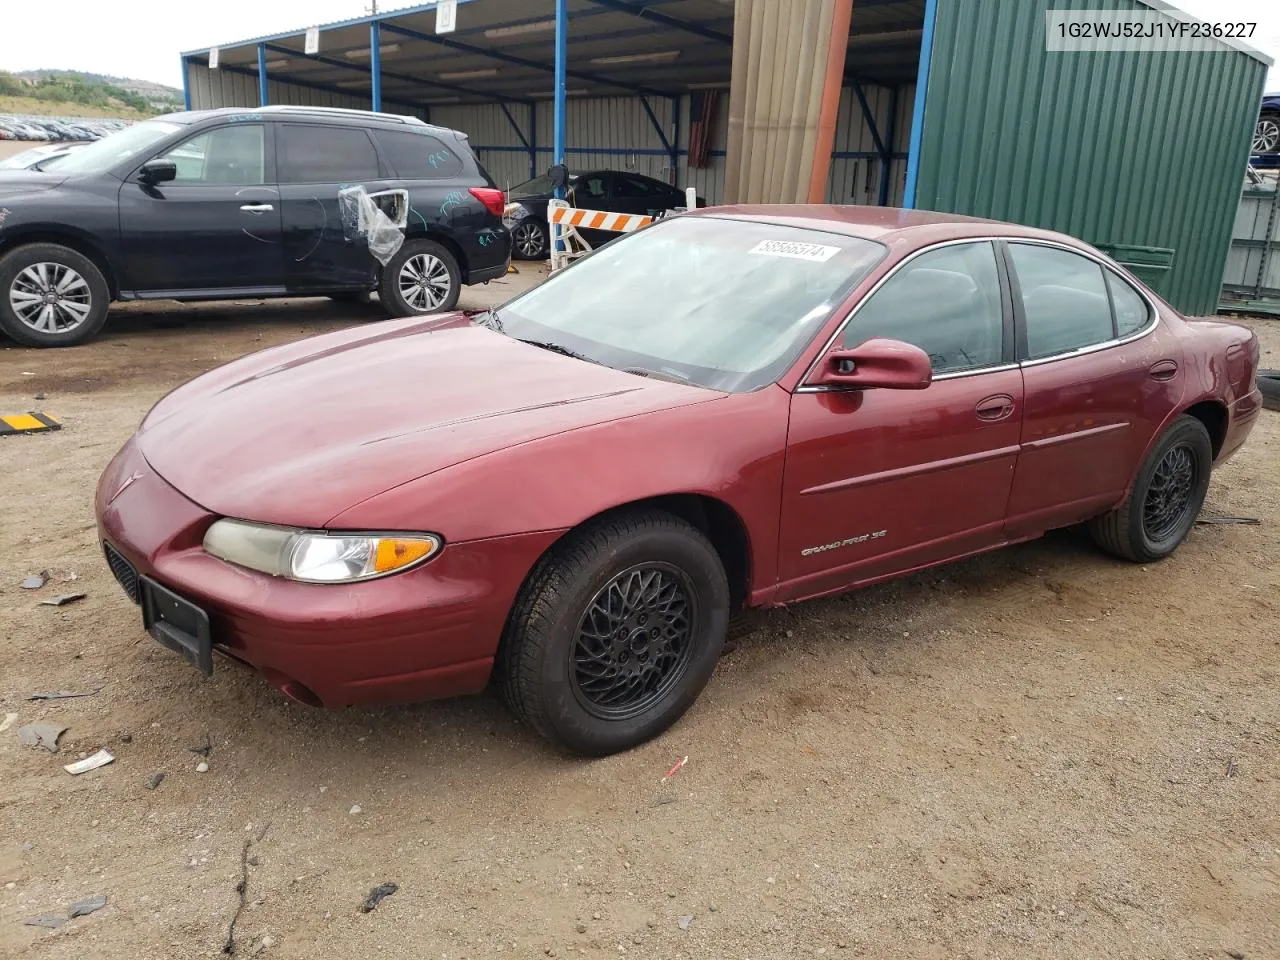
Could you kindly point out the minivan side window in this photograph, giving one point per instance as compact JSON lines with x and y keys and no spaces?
{"x":233,"y":155}
{"x":946,"y":301}
{"x":309,"y":153}
{"x":1064,"y":300}
{"x":417,"y":156}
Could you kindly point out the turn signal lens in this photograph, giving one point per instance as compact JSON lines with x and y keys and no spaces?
{"x":394,"y":554}
{"x":316,"y":557}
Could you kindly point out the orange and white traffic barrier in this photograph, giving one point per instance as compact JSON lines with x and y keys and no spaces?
{"x":598,"y":219}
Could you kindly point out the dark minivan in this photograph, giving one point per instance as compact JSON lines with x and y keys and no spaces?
{"x":231,"y":203}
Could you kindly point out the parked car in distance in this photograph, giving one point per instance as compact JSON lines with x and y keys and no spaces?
{"x":231,"y":203}
{"x":1266,"y":134}
{"x":615,"y":191}
{"x":732,"y":408}
{"x":38,"y":158}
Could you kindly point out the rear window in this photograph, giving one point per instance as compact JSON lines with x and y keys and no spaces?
{"x":418,"y":156}
{"x":316,"y":154}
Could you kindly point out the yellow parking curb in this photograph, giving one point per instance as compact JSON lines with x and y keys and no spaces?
{"x":31,"y":422}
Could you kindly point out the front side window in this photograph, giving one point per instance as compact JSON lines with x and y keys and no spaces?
{"x":633,"y":188}
{"x":723,"y":304}
{"x":1064,"y":300}
{"x":233,"y":155}
{"x":307,"y":153}
{"x":590,"y":188}
{"x":946,"y":302}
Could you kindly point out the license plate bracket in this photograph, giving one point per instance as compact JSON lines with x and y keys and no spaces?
{"x":178,"y":624}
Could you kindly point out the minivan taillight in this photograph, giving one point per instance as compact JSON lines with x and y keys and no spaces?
{"x":493,"y":199}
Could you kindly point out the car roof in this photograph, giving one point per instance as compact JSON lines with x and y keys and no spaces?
{"x":328,"y":114}
{"x":883,"y":224}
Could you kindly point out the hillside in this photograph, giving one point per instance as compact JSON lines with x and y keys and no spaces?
{"x":72,"y":93}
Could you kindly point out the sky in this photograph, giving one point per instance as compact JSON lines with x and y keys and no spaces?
{"x":139,"y":39}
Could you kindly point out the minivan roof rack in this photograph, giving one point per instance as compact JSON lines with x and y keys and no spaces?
{"x":341,"y":111}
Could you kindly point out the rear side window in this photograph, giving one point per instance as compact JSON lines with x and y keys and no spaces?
{"x":1064,"y":299}
{"x":418,"y":156}
{"x":313,"y":154}
{"x":1132,"y":312}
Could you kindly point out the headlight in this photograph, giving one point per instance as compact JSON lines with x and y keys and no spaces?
{"x":315,"y":556}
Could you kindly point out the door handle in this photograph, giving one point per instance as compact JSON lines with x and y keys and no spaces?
{"x":1164,"y":370}
{"x":257,"y":208}
{"x":995,"y":408}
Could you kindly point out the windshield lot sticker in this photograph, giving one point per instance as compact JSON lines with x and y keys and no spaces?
{"x":794,"y":251}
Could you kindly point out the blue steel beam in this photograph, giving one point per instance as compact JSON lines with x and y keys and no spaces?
{"x":402,"y":77}
{"x":653,"y":118}
{"x":561,"y":73}
{"x":889,"y":134}
{"x":520,"y":61}
{"x":514,"y":126}
{"x":917,"y":113}
{"x":375,"y":67}
{"x":869,"y":117}
{"x":644,"y":12}
{"x":186,"y":84}
{"x":262,"y":74}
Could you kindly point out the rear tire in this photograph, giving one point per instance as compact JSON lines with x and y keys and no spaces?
{"x":529,"y":239}
{"x":615,"y":633}
{"x":51,"y":296}
{"x":1269,"y":387}
{"x":422,"y":278}
{"x":1166,"y":497}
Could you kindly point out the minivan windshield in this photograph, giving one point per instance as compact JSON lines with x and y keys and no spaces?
{"x":102,"y":155}
{"x":719,"y":303}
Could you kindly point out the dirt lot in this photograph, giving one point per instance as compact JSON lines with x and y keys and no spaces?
{"x":1041,"y":752}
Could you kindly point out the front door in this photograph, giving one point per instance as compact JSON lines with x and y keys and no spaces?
{"x":880,"y":481}
{"x":322,"y":250}
{"x":1092,"y":402}
{"x":215,"y":228}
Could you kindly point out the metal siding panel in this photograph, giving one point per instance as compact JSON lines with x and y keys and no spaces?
{"x":1144,"y":149}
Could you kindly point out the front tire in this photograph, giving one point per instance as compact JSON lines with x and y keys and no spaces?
{"x":615,"y":633}
{"x":51,"y":296}
{"x":423,"y":277}
{"x":1266,"y":134}
{"x":1166,"y":497}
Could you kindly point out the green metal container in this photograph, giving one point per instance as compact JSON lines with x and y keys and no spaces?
{"x":1151,"y":265}
{"x":1145,"y":148}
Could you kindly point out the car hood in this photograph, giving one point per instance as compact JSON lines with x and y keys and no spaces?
{"x":298,"y":434}
{"x":28,"y":181}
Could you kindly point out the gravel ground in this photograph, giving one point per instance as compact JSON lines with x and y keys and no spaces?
{"x":1040,"y":752}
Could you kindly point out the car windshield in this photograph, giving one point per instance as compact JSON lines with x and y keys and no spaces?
{"x":723,"y":304}
{"x":102,"y":155}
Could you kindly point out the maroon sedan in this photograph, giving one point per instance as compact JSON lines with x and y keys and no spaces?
{"x":742,"y":407}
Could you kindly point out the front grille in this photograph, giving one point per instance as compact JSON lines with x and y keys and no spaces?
{"x":124,"y":571}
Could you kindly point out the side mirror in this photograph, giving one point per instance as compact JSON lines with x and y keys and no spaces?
{"x":559,"y":176}
{"x":158,"y":171}
{"x":888,"y":364}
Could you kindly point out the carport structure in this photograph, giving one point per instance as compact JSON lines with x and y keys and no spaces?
{"x":951,"y":105}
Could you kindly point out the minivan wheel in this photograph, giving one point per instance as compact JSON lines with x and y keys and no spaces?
{"x":1166,"y":497}
{"x":615,"y":633}
{"x":51,"y":296}
{"x":423,"y":277}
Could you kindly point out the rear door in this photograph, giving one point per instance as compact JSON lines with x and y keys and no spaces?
{"x":216,"y":227}
{"x":633,"y":193}
{"x":313,"y":162}
{"x":1100,"y":375}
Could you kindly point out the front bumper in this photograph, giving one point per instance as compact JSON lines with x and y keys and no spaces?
{"x":430,"y":632}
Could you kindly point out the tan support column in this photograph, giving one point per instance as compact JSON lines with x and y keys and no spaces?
{"x":788,"y":69}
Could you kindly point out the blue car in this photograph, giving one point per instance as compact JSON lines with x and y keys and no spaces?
{"x":1266,"y":135}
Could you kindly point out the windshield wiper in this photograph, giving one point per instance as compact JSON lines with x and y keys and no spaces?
{"x":658,"y":374}
{"x":556,"y":348}
{"x":488,"y":319}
